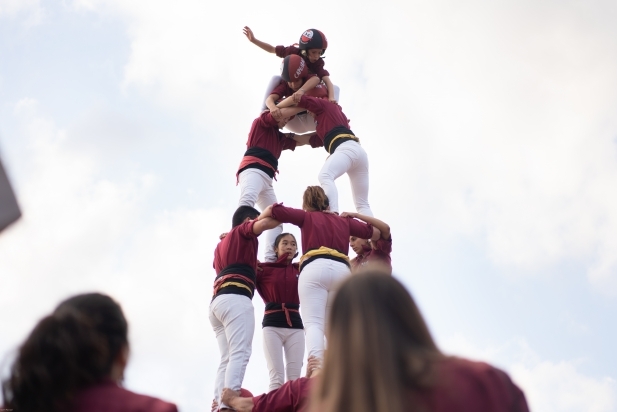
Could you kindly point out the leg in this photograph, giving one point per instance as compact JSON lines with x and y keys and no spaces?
{"x":251,"y":183}
{"x":359,"y":179}
{"x":274,"y":81}
{"x":273,"y":349}
{"x":336,"y":164}
{"x":266,"y":198}
{"x":219,"y":331}
{"x":236,"y":314}
{"x":314,"y":296}
{"x":294,"y":353}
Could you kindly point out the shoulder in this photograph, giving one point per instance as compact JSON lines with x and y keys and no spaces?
{"x":107,"y":397}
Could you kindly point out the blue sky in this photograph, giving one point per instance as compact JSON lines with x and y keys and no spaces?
{"x":490,"y":129}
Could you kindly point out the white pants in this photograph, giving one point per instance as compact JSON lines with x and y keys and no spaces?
{"x":233,"y":320}
{"x":256,"y":188}
{"x":316,"y":287}
{"x":349,"y":157}
{"x":277,"y":340}
{"x":301,"y":123}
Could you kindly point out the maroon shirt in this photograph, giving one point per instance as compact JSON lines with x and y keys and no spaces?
{"x":238,"y":247}
{"x":109,"y":397}
{"x":327,"y":114}
{"x":317,"y":67}
{"x":322,"y":229}
{"x":461,"y":385}
{"x":292,"y":396}
{"x":278,"y":281}
{"x":379,"y":253}
{"x":265,"y":133}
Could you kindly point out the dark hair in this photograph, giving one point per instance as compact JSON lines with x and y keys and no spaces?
{"x":70,"y":349}
{"x":379,"y":348}
{"x":242,"y":213}
{"x":315,"y":198}
{"x":278,"y":240}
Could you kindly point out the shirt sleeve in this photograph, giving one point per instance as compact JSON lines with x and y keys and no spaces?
{"x":288,"y":398}
{"x":282,"y":51}
{"x":266,"y":120}
{"x":246,"y":229}
{"x":288,"y":214}
{"x":316,"y":141}
{"x":280,"y":90}
{"x":288,"y":143}
{"x":360,"y":229}
{"x":319,"y":70}
{"x":383,"y":245}
{"x":311,"y":103}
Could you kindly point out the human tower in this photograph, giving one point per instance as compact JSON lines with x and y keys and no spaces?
{"x":303,"y":100}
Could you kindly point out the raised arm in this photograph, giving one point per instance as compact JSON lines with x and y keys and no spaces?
{"x":271,"y":104}
{"x":249,"y":35}
{"x":379,"y":224}
{"x":264,"y":224}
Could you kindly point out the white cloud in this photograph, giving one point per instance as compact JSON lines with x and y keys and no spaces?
{"x":548,"y":385}
{"x":30,"y":10}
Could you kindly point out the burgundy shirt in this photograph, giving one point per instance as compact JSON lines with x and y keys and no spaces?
{"x":322,"y":229}
{"x":327,"y":114}
{"x":292,"y":396}
{"x":283,"y":90}
{"x":265,"y":133}
{"x":109,"y":397}
{"x":238,"y":247}
{"x":380,"y":252}
{"x":461,"y":385}
{"x":317,"y":67}
{"x":278,"y":281}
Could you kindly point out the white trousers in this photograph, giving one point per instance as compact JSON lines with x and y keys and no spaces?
{"x":277,"y":341}
{"x":349,"y":157}
{"x":256,"y":188}
{"x":301,"y":123}
{"x":233,"y":320}
{"x":316,"y":287}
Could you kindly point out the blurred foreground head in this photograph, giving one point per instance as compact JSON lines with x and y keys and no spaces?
{"x":83,"y":342}
{"x":378,"y":347}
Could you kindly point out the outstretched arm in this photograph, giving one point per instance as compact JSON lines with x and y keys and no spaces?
{"x":264,"y":224}
{"x":308,"y":85}
{"x":249,"y":35}
{"x":379,"y":224}
{"x":287,"y":112}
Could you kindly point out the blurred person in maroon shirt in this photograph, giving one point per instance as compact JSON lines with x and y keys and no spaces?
{"x":324,"y":261}
{"x":374,"y":255}
{"x":283,"y":331}
{"x":74,"y":361}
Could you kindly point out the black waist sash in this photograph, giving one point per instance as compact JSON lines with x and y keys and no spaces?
{"x":235,"y":279}
{"x":282,"y":315}
{"x":332,"y":134}
{"x":264,"y":155}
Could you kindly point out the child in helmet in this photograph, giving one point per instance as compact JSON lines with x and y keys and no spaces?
{"x":311,"y":47}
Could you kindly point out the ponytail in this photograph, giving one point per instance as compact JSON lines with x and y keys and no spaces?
{"x":315,"y":199}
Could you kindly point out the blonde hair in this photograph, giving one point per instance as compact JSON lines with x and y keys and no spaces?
{"x":315,"y":198}
{"x":379,"y":348}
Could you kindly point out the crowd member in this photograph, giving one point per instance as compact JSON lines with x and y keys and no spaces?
{"x":381,"y":357}
{"x":346,"y":154}
{"x":231,"y":309}
{"x":283,"y":331}
{"x":74,"y":361}
{"x":325,"y":244}
{"x":291,"y":397}
{"x":260,"y":163}
{"x":369,"y":254}
{"x":294,"y":77}
{"x":311,"y":47}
